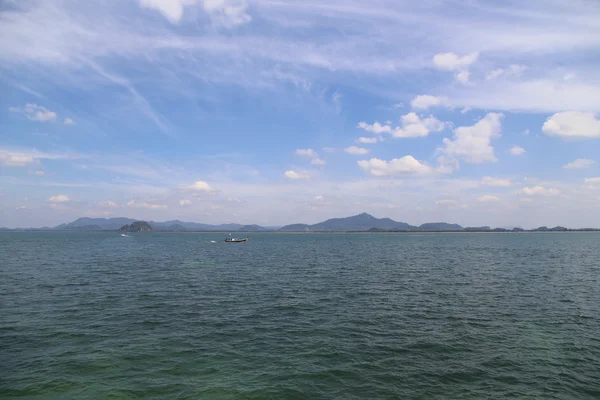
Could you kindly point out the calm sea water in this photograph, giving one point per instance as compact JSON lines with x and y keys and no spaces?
{"x":290,"y":316}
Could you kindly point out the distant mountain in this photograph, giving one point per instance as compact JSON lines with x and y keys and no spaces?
{"x":360,"y":222}
{"x":477,"y":228}
{"x":96,"y":223}
{"x":295,"y":228}
{"x":137,"y":226}
{"x":440,"y":226}
{"x":194,"y":226}
{"x":559,"y":229}
{"x":252,"y":228}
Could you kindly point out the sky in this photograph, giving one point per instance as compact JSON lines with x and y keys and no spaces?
{"x":283,"y":111}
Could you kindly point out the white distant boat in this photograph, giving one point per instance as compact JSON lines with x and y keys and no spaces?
{"x":236,"y":240}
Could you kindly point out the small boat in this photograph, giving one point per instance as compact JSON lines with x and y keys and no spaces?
{"x":236,"y":240}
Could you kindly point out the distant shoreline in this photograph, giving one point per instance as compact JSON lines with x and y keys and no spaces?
{"x":301,"y":232}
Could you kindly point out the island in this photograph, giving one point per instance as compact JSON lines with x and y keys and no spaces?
{"x":137,"y":226}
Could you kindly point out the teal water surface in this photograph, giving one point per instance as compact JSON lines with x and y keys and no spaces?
{"x":299,"y":316}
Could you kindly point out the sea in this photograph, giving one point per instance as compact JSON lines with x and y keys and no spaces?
{"x":299,"y":316}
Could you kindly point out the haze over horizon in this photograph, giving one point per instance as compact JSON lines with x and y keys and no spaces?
{"x":277,"y":112}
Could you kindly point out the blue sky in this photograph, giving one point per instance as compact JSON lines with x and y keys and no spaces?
{"x":278,"y":111}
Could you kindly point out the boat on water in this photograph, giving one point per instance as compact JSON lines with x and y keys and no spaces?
{"x":236,"y":240}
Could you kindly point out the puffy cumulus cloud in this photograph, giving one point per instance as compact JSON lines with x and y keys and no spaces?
{"x":452,"y":62}
{"x":375,"y":128}
{"x":310,"y":153}
{"x":580,"y":163}
{"x":517,"y":151}
{"x":412,"y":126}
{"x":185,"y":203}
{"x":495,"y":182}
{"x":200,"y":186}
{"x":487,"y":199}
{"x":34,"y":112}
{"x":592,"y":181}
{"x":539,"y":191}
{"x":406,"y":165}
{"x":511,"y":71}
{"x":367,"y":140}
{"x":59,"y":198}
{"x":108,"y":204}
{"x":293,"y":175}
{"x":356,"y":150}
{"x":15,"y":160}
{"x":473,"y":143}
{"x":572,"y":124}
{"x":425,"y":101}
{"x":306,"y":153}
{"x":150,"y":206}
{"x":69,"y":121}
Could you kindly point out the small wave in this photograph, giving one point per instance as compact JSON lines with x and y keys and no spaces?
{"x":212,"y":241}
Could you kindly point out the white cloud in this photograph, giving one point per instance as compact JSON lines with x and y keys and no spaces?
{"x":69,"y":121}
{"x":21,"y":208}
{"x":185,"y":202}
{"x":572,"y":124}
{"x":494,"y":74}
{"x":150,"y":206}
{"x":463,"y":76}
{"x":317,"y":161}
{"x":375,"y":128}
{"x":59,"y":198}
{"x":526,"y":132}
{"x":39,"y":173}
{"x":223,"y":12}
{"x":489,"y":181}
{"x":580,"y":163}
{"x":487,"y":198}
{"x":425,"y":101}
{"x":15,"y":160}
{"x":108,"y":204}
{"x":539,"y":191}
{"x":397,"y":166}
{"x":329,"y":149}
{"x":452,"y":62}
{"x":367,"y":140}
{"x":306,"y":153}
{"x":171,"y":9}
{"x":512,"y":71}
{"x":319,"y":198}
{"x":412,"y":126}
{"x":34,"y":112}
{"x":472,"y":143}
{"x":517,"y":151}
{"x":291,"y":174}
{"x":356,"y":150}
{"x":227,"y":12}
{"x":200,"y":186}
{"x":592,"y":181}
